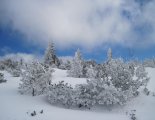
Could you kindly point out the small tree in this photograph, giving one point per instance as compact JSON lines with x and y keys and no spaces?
{"x":109,"y":54}
{"x":50,"y":57}
{"x":35,"y":80}
{"x":76,"y":65}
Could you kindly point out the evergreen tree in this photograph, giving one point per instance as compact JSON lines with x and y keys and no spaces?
{"x":50,"y":56}
{"x":109,"y":54}
{"x":76,"y":65}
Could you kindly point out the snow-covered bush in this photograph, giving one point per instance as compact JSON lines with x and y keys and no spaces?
{"x":101,"y":92}
{"x":149,"y":63}
{"x":2,"y":66}
{"x":61,"y":93}
{"x":84,"y":98}
{"x":121,"y":75}
{"x":2,"y":78}
{"x":35,"y":79}
{"x":8,"y":64}
{"x":13,"y":67}
{"x":16,"y":72}
{"x":76,"y":66}
{"x":91,"y":72}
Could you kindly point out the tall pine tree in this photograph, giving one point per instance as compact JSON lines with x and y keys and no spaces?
{"x":109,"y":54}
{"x":50,"y":56}
{"x":76,"y":65}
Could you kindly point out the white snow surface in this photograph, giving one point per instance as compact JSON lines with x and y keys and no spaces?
{"x":14,"y":106}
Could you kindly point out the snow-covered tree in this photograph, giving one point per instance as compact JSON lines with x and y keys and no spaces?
{"x":87,"y":65}
{"x":35,"y":79}
{"x":50,"y":57}
{"x":11,"y":66}
{"x":61,"y":93}
{"x":109,"y":54}
{"x":76,"y":65}
{"x":91,"y":72}
{"x":8,"y":64}
{"x":65,"y":64}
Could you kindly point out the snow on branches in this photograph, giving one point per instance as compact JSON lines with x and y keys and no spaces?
{"x":76,"y":66}
{"x":35,"y":79}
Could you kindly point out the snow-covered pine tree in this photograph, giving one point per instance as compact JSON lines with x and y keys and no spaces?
{"x":50,"y":57}
{"x":35,"y":79}
{"x":109,"y":54}
{"x":76,"y":65}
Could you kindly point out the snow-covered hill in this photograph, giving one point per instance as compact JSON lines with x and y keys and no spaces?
{"x":14,"y":106}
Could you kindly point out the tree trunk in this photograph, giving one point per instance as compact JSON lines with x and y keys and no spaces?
{"x":33,"y":92}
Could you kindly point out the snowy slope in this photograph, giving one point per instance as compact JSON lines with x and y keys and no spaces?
{"x":14,"y":106}
{"x":61,"y":75}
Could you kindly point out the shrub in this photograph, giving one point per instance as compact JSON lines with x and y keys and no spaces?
{"x":61,"y":93}
{"x":2,"y":78}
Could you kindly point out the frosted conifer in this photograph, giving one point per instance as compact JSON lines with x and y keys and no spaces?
{"x":76,"y":65}
{"x":109,"y":54}
{"x":50,"y":56}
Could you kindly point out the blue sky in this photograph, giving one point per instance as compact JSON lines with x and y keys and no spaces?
{"x":128,"y":27}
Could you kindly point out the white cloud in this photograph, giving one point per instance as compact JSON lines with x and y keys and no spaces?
{"x":86,"y":23}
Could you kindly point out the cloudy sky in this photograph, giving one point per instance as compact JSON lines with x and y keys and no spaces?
{"x":127,"y":26}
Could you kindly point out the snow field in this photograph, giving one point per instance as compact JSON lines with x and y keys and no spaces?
{"x":14,"y":106}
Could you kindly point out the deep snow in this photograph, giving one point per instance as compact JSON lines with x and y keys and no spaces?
{"x":14,"y":106}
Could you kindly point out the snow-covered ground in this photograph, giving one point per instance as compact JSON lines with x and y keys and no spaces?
{"x":14,"y":106}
